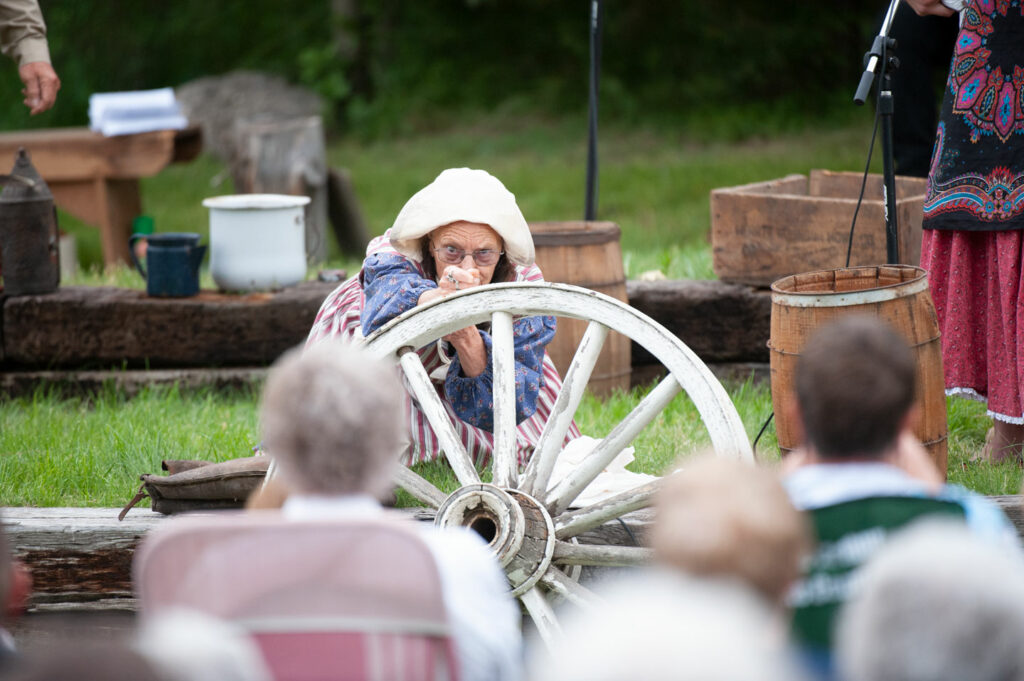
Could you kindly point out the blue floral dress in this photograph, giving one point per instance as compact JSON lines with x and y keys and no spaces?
{"x":388,"y":285}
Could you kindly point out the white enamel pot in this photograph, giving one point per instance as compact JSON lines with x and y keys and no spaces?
{"x":257,"y":241}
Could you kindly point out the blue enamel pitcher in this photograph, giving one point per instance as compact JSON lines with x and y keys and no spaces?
{"x":173,"y":260}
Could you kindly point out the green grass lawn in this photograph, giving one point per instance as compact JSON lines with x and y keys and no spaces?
{"x":59,"y":452}
{"x":655,"y":184}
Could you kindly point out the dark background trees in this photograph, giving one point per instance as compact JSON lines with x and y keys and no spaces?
{"x":383,"y":64}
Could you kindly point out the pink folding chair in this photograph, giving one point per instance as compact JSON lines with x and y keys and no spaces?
{"x":350,"y":600}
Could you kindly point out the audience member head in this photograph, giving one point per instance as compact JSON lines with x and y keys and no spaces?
{"x":720,"y":517}
{"x":936,"y":604}
{"x":854,"y":388}
{"x":332,"y":420}
{"x":664,"y":627}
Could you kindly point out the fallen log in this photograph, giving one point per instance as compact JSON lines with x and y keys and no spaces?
{"x":81,"y":557}
{"x":89,"y":327}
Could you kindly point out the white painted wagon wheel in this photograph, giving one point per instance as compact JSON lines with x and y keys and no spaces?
{"x":530,"y":525}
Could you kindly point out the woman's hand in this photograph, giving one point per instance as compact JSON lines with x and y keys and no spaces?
{"x":467,"y":341}
{"x":926,"y":7}
{"x":452,"y":280}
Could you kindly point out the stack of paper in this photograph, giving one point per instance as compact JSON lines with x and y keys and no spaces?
{"x":126,"y":113}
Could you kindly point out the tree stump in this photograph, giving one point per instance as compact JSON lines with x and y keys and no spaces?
{"x":286,"y":157}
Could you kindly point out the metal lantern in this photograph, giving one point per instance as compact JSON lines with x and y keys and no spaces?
{"x":29,"y":242}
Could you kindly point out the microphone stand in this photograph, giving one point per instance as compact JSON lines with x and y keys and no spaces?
{"x":590,"y":201}
{"x":878,"y":60}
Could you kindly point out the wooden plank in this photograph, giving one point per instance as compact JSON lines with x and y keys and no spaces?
{"x":77,"y":555}
{"x":81,"y":326}
{"x":81,"y":557}
{"x":127,"y":381}
{"x":77,"y":153}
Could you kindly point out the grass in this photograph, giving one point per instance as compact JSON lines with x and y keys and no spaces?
{"x":77,"y":452}
{"x":653,"y":183}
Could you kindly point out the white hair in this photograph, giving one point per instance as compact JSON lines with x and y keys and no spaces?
{"x":332,"y":420}
{"x":661,"y":626}
{"x":937,"y":603}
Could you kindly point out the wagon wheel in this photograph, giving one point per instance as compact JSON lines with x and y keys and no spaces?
{"x":531,"y":529}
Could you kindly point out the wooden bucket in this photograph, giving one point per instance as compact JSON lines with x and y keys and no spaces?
{"x":897,"y":294}
{"x":586,"y":254}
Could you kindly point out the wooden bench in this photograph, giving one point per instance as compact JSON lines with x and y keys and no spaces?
{"x":96,"y":178}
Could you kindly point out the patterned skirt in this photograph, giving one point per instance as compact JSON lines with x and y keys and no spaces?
{"x":976,"y":283}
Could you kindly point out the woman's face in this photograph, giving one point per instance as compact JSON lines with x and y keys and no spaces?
{"x":469,"y":237}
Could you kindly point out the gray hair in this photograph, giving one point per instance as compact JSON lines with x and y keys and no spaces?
{"x":727,"y":518}
{"x":936,"y":604}
{"x":661,"y":626}
{"x":332,"y":420}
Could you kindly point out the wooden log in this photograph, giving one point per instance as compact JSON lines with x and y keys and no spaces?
{"x":80,"y":326}
{"x":286,"y":157}
{"x":77,"y":555}
{"x":81,"y":557}
{"x":718,"y":321}
{"x":129,"y":382}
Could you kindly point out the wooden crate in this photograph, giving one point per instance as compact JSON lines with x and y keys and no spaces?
{"x":764,"y":231}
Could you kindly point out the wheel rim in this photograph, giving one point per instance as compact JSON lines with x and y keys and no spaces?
{"x":515,"y":493}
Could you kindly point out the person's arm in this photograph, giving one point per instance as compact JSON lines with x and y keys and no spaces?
{"x":926,"y":7}
{"x":391,"y":285}
{"x":472,"y":397}
{"x":23,"y":39}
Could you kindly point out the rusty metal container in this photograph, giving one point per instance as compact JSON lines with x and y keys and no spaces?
{"x":29,"y":242}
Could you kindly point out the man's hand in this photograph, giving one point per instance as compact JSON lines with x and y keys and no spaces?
{"x":926,"y":7}
{"x":41,"y":85}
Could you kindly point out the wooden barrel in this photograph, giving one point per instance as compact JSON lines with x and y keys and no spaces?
{"x":897,"y":294}
{"x":586,"y":254}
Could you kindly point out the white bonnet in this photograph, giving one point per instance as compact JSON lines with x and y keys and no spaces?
{"x":463,"y":194}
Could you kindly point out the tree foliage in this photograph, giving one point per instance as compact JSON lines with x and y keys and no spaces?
{"x":426,"y":58}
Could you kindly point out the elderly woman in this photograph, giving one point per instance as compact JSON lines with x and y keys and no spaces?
{"x":462,"y":230}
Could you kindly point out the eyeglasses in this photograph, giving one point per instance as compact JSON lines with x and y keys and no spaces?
{"x":450,"y":255}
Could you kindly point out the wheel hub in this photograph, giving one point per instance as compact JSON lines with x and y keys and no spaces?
{"x":516,"y":526}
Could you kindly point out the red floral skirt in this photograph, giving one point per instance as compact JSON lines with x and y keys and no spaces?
{"x":976,"y":283}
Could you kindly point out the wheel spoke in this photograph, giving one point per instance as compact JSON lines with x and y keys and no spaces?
{"x":593,"y":554}
{"x":538,"y":471}
{"x":425,"y":393}
{"x":568,"y":489}
{"x":419,"y":487}
{"x":543,"y":617}
{"x":505,"y":465}
{"x":558,"y":583}
{"x":572,"y":523}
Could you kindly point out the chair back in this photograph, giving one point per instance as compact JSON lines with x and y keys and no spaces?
{"x":324,"y":599}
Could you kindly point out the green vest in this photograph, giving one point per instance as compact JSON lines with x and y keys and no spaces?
{"x":848,"y":534}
